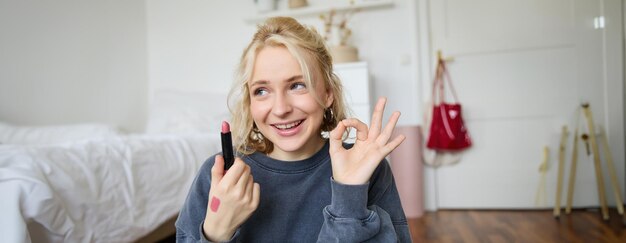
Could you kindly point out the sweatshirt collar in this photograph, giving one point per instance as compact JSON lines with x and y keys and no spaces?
{"x":298,"y":166}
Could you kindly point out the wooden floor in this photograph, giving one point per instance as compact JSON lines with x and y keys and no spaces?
{"x":517,"y":226}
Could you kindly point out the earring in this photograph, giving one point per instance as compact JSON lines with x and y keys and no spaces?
{"x":256,"y":134}
{"x":329,"y":117}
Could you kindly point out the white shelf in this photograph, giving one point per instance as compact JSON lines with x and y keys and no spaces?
{"x":338,"y":6}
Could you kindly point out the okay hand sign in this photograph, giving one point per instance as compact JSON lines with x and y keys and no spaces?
{"x":356,"y":165}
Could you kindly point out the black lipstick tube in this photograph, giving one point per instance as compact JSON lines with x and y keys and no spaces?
{"x":227,"y":149}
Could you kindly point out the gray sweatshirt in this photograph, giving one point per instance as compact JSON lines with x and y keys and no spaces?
{"x":300,"y":202}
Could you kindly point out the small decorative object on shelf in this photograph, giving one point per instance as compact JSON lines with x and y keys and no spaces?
{"x":297,"y":3}
{"x":312,"y":10}
{"x":344,"y":53}
{"x":337,"y":34}
{"x":265,"y":5}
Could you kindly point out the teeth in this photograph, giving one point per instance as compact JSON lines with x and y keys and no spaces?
{"x":287,"y":126}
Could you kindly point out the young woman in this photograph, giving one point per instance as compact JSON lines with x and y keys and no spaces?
{"x":290,"y":183}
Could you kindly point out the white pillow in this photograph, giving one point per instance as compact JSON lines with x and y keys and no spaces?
{"x":39,"y":135}
{"x":187,"y":112}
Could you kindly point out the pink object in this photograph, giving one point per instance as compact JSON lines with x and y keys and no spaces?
{"x":225,"y":127}
{"x":215,"y":204}
{"x":408,"y":170}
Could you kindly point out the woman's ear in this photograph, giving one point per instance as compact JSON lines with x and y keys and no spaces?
{"x":330,"y":98}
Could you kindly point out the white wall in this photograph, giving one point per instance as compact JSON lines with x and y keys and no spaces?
{"x":196,"y":45}
{"x":71,"y":61}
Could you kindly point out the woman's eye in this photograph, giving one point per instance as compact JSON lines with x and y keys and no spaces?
{"x":260,"y":92}
{"x":298,"y":86}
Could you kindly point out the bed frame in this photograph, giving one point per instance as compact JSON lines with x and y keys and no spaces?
{"x":161,"y":233}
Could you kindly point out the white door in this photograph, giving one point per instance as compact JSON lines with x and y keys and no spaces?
{"x":521,"y":69}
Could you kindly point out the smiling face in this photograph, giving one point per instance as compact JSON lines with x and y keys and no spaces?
{"x":283,"y":107}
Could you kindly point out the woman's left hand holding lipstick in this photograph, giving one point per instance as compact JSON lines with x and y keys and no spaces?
{"x":233,"y":197}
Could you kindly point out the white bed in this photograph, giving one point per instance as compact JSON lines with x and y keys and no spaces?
{"x":89,"y":183}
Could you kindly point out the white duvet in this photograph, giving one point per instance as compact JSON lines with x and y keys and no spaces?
{"x":103,"y":190}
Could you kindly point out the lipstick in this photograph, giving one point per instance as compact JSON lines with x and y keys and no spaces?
{"x":227,"y":146}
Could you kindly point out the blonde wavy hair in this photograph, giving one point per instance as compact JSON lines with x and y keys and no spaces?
{"x":309,"y":49}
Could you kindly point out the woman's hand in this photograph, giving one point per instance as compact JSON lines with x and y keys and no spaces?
{"x":233,"y":198}
{"x":356,"y":165}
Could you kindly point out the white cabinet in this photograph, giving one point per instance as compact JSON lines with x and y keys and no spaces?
{"x":356,"y":87}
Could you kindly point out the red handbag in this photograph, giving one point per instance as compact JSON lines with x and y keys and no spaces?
{"x":447,"y":129}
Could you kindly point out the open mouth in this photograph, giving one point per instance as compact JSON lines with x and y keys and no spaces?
{"x":288,"y":126}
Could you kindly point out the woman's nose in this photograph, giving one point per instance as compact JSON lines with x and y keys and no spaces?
{"x":282,"y":105}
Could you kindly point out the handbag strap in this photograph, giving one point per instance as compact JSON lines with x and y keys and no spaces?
{"x":438,"y":82}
